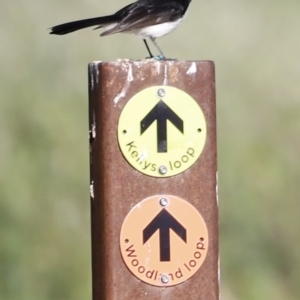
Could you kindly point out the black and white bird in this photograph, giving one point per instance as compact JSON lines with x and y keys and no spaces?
{"x":144,"y":18}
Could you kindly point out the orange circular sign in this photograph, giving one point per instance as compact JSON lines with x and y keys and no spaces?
{"x":163,"y":240}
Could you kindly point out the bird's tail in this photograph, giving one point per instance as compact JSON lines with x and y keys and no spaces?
{"x":76,"y":25}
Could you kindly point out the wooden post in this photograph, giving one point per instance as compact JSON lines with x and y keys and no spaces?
{"x":153,"y":180}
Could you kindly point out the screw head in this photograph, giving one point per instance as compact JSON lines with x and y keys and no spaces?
{"x":163,"y":201}
{"x":164,"y":279}
{"x":161,"y":92}
{"x":162,"y":170}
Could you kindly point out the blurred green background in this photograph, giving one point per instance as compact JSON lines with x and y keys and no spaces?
{"x":44,"y":178}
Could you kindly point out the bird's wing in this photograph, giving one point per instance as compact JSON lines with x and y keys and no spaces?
{"x":140,"y":14}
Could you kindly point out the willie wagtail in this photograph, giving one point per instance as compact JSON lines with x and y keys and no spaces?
{"x":144,"y":18}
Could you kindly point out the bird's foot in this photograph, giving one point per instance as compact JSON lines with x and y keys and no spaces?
{"x":160,"y":58}
{"x":157,"y":57}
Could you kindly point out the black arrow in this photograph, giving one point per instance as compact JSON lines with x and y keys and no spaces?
{"x":163,"y":222}
{"x":161,"y":112}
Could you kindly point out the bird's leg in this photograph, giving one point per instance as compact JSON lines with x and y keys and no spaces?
{"x":157,"y":47}
{"x":148,"y":48}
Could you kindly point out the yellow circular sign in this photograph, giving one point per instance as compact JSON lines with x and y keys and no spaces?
{"x":163,"y":240}
{"x":161,"y":131}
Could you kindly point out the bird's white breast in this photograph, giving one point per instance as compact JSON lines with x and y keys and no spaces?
{"x":156,"y":31}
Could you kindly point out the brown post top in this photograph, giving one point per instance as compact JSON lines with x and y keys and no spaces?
{"x":159,"y":209}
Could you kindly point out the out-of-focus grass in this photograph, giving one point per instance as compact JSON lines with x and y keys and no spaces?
{"x":44,"y":199}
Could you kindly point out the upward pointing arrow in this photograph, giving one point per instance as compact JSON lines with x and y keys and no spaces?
{"x":161,"y":112}
{"x":163,"y":222}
